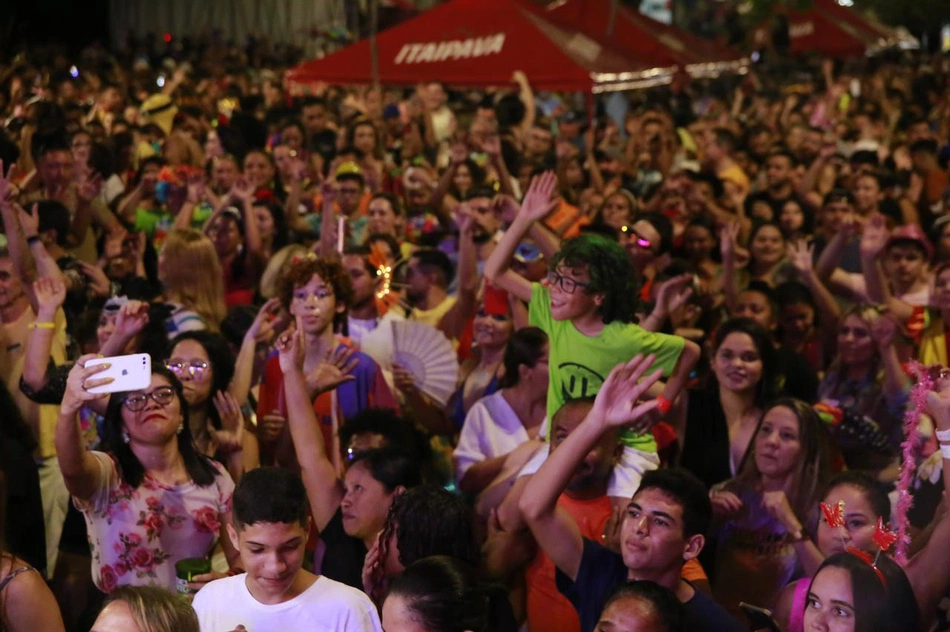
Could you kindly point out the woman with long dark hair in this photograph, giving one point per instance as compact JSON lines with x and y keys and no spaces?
{"x":150,"y":499}
{"x":716,"y":424}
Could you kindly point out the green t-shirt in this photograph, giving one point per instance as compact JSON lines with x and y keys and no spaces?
{"x":579,"y":364}
{"x":157,"y":222}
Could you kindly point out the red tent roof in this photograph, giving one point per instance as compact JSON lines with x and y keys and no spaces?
{"x":473,"y":43}
{"x":640,"y":38}
{"x":814,"y":31}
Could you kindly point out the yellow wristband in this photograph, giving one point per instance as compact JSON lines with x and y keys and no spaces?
{"x":41,"y":326}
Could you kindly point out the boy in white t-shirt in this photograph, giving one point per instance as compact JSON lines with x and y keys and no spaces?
{"x":270,"y":530}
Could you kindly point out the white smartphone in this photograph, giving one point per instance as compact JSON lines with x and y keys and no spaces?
{"x":128,"y":373}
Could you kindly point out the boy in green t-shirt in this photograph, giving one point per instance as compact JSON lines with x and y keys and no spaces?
{"x":586,"y":306}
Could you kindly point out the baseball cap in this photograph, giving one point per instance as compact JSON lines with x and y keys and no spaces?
{"x":911,"y":232}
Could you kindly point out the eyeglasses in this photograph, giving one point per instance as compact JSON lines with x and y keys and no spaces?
{"x":163,"y":395}
{"x":567,"y":284}
{"x":195,"y":368}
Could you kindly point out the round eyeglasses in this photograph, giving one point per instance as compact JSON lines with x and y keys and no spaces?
{"x":163,"y":395}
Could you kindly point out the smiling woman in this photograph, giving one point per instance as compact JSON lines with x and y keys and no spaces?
{"x":149,"y":499}
{"x":760,"y":513}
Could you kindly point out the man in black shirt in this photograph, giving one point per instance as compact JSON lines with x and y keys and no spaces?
{"x":663,"y":527}
{"x":779,"y":166}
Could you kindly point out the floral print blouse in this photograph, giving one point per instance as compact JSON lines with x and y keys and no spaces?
{"x":136,"y":535}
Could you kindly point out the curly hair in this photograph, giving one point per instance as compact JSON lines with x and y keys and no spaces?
{"x":605,"y":262}
{"x":429,"y":520}
{"x":330,"y":270}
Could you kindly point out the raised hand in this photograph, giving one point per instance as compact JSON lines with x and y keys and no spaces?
{"x":674,"y":293}
{"x":242,"y":191}
{"x":372,"y":573}
{"x":464,"y":219}
{"x":196,"y":187}
{"x":262,"y":329}
{"x":732,"y":253}
{"x":113,"y":243}
{"x":29,"y":222}
{"x":538,"y":202}
{"x":801,"y":256}
{"x":50,"y":294}
{"x":131,"y":319}
{"x":98,"y":282}
{"x":270,"y":426}
{"x":231,"y":435}
{"x":492,"y":146}
{"x":404,"y":380}
{"x":290,"y":345}
{"x":78,"y":382}
{"x":776,"y":505}
{"x":335,"y":370}
{"x":506,"y":207}
{"x":884,"y":330}
{"x":618,"y":402}
{"x":8,"y":190}
{"x":874,"y":236}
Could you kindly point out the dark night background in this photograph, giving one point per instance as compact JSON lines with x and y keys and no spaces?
{"x":74,"y":23}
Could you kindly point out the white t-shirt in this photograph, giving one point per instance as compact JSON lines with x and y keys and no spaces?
{"x":491,"y":429}
{"x":327,"y":606}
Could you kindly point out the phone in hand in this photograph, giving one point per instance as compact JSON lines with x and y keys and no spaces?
{"x":128,"y":373}
{"x":760,"y":618}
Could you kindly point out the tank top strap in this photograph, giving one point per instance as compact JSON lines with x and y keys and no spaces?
{"x":12,"y":576}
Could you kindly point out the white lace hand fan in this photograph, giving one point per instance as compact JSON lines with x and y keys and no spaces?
{"x":427,"y":354}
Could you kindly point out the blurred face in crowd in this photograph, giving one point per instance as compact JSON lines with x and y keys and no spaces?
{"x":698,"y":243}
{"x":314,"y":305}
{"x":642,"y":243}
{"x":538,"y":142}
{"x":265,"y":221}
{"x":224,"y":174}
{"x":225,"y":235}
{"x":364,"y":138}
{"x":616,"y":211}
{"x":792,"y":218}
{"x":833,"y":215}
{"x":797,"y":319}
{"x":778,"y":443}
{"x":382,"y":217}
{"x":867,"y":194}
{"x":737,"y":363}
{"x":196,"y":373}
{"x":213,"y":146}
{"x":943,"y":243}
{"x":487,"y":221}
{"x":630,"y":614}
{"x":348,"y":195}
{"x":905,"y":263}
{"x":768,"y":246}
{"x":364,"y":281}
{"x":755,"y":306}
{"x":941,"y":295}
{"x":491,"y":330}
{"x":81,"y":144}
{"x":273,"y":554}
{"x":284,"y":159}
{"x":860,"y":522}
{"x":11,"y":290}
{"x":292,"y":136}
{"x":314,"y":118}
{"x":591,"y":474}
{"x":855,"y":344}
{"x":258,"y":169}
{"x":462,"y":179}
{"x":56,"y":168}
{"x":778,"y":171}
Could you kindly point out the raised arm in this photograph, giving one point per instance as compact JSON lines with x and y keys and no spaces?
{"x":80,"y":470}
{"x":526,"y":95}
{"x":731,"y":262}
{"x":252,"y":235}
{"x":831,"y":255}
{"x":452,"y":324}
{"x":873,"y":240}
{"x":456,"y":157}
{"x":261,"y":330}
{"x":50,"y":294}
{"x":616,"y":405}
{"x":492,"y":147}
{"x":802,"y":257}
{"x":537,"y":204}
{"x":324,"y":490}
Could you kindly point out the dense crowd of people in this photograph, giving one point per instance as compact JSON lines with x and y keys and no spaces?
{"x":684,"y":326}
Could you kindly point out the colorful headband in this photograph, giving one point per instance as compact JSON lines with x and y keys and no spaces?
{"x":834,"y":514}
{"x":865,"y":557}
